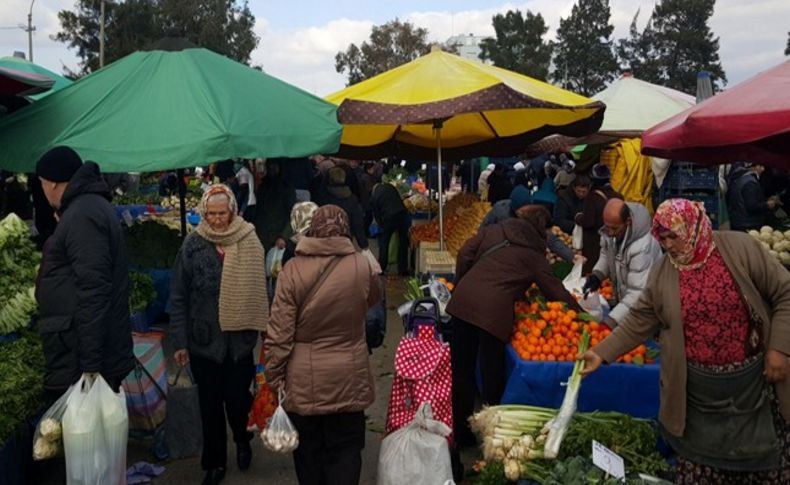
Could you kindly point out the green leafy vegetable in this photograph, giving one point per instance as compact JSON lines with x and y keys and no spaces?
{"x":141,"y":291}
{"x":21,"y":382}
{"x":152,"y":245}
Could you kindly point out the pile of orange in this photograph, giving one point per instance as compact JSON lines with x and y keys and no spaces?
{"x":640,"y":355}
{"x":549,"y":331}
{"x":607,"y":290}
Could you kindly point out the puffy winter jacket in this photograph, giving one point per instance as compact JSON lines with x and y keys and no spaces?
{"x":316,"y":348}
{"x":83,"y":287}
{"x":628,"y":263}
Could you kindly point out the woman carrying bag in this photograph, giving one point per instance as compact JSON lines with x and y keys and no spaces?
{"x":219,"y":307}
{"x":316,"y":350}
{"x":721,"y":305}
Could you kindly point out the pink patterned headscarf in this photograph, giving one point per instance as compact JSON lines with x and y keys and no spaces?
{"x":689,"y":222}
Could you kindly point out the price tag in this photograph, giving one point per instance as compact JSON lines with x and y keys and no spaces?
{"x":608,"y":461}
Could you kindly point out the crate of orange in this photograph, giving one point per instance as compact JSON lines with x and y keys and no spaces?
{"x":542,"y":353}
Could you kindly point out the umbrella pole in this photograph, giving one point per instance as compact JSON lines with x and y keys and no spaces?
{"x":438,"y":128}
{"x":182,"y":192}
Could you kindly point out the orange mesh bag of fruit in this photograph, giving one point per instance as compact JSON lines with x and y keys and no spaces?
{"x":265,"y":401}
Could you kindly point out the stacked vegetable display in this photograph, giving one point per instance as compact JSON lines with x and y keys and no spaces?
{"x":152,"y":244}
{"x":18,"y":268}
{"x":21,"y":382}
{"x":775,"y":241}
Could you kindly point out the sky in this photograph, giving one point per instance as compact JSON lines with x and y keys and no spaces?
{"x":299,"y":38}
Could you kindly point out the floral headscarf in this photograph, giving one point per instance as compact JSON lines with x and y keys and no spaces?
{"x":690,"y":223}
{"x":301,"y":216}
{"x":217,"y":189}
{"x":329,"y":221}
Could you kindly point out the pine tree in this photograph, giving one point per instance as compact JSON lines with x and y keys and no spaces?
{"x":584,"y":60}
{"x":684,"y":44}
{"x":519,"y":44}
{"x":636,"y":53}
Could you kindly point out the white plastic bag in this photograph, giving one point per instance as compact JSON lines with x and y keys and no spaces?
{"x":48,"y":439}
{"x":578,"y":235}
{"x":574,"y":282}
{"x":441,"y":293}
{"x":95,"y":432}
{"x":280,"y":435}
{"x":418,"y":453}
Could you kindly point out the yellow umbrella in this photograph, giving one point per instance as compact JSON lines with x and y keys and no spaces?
{"x":457,"y":108}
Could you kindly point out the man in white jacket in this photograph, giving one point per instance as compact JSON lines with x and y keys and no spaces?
{"x":628,"y":251}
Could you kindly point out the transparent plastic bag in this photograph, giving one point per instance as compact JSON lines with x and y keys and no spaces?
{"x":95,"y":432}
{"x":280,"y":435}
{"x":574,"y":282}
{"x":48,"y":438}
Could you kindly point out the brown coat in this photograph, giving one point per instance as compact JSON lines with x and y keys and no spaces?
{"x":321,"y":357}
{"x":765,"y":286}
{"x":591,"y":221}
{"x":488,"y":288}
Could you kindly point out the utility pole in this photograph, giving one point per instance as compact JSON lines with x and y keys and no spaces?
{"x":101,"y":36}
{"x":30,"y":30}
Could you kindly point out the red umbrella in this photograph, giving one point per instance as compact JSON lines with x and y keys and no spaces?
{"x":16,"y":83}
{"x":749,"y":122}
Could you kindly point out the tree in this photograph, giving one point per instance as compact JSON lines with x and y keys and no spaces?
{"x":684,"y":43}
{"x":584,"y":60}
{"x":519,"y":44}
{"x":636,"y":53}
{"x":390,"y":45}
{"x":220,"y":25}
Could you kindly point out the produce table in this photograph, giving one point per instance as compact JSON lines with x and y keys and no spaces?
{"x":137,"y":210}
{"x":625,"y":388}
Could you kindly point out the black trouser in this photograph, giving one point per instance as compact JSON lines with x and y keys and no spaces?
{"x":399,"y":224}
{"x":330,"y":448}
{"x":223,"y":388}
{"x":468,"y":344}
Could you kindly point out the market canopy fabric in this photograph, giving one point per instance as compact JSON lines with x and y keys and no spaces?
{"x":19,"y":64}
{"x":750,"y":122}
{"x":482,"y":110}
{"x":14,"y":82}
{"x":171,"y":107}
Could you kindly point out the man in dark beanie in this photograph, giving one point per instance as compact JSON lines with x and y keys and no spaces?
{"x":83,"y":285}
{"x":591,"y":216}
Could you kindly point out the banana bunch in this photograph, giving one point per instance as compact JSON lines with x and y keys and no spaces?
{"x":16,"y":313}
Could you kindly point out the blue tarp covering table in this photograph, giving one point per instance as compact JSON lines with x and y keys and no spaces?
{"x":625,"y":388}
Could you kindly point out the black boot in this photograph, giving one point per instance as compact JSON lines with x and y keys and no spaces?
{"x":243,"y":455}
{"x":214,"y":476}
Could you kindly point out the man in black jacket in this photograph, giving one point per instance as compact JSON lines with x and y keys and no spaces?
{"x":392,"y":216}
{"x":746,"y":200}
{"x":83,"y":283}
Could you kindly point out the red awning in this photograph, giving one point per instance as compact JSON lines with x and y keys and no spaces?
{"x":750,"y":122}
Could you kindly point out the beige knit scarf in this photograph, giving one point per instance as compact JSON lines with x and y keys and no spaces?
{"x":243,"y":302}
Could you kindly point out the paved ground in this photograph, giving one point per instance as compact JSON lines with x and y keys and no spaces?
{"x":268,"y":467}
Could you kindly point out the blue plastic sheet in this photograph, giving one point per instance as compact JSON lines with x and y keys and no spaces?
{"x":625,"y":388}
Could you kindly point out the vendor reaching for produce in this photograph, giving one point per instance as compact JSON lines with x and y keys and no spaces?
{"x":520,"y":199}
{"x":591,"y":216}
{"x":493,"y":270}
{"x":722,"y":306}
{"x":628,"y":251}
{"x":83,"y":283}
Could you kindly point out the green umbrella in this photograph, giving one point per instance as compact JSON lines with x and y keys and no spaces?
{"x":165,"y":109}
{"x":26,"y":66}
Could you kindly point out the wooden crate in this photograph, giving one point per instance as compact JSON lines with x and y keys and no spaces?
{"x":439,"y":262}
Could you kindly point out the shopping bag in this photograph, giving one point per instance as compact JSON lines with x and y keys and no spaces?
{"x":417,"y":454}
{"x":48,"y":437}
{"x":574,"y":282}
{"x":280,"y":435}
{"x":578,"y":237}
{"x":183,"y":430}
{"x":265,"y":402}
{"x":95,"y":432}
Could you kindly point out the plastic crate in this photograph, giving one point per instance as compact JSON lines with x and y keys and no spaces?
{"x":439,"y":262}
{"x":688,"y":176}
{"x":422,"y":248}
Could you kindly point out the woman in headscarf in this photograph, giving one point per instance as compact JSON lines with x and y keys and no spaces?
{"x":721,"y":305}
{"x":219,"y":307}
{"x":301,"y":217}
{"x":316,"y":350}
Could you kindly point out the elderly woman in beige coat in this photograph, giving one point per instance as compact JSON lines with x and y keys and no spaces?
{"x":721,"y":306}
{"x":316,"y":350}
